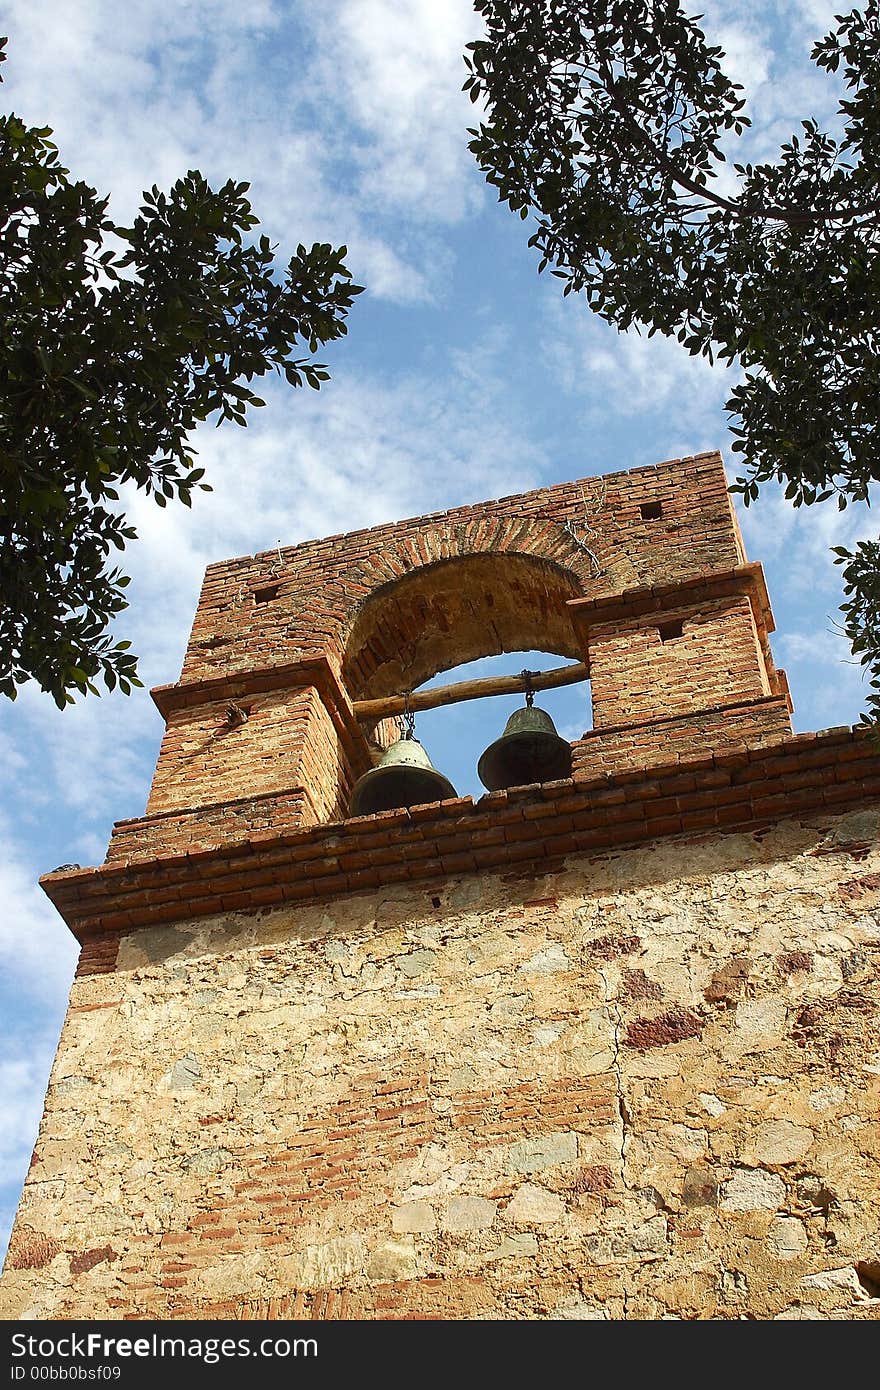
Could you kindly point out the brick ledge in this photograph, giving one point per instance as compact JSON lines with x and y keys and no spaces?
{"x":121,"y":828}
{"x":661,"y":722}
{"x":747,"y":578}
{"x":531,"y":825}
{"x":310,"y":669}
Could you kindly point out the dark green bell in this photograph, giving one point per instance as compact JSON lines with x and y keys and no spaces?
{"x":404,"y":776}
{"x":529,"y":750}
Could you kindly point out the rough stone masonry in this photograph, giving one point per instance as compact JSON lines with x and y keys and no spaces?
{"x":600,"y":1048}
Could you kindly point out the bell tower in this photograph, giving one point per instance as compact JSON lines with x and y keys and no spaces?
{"x":344,"y":1044}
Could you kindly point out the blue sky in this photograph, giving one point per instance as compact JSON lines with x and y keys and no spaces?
{"x":465,"y":376}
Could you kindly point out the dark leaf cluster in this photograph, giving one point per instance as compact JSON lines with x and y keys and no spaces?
{"x":115,"y":343}
{"x":609,"y":122}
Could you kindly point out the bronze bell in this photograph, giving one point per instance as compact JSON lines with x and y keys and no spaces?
{"x":529,"y":750}
{"x":404,"y":776}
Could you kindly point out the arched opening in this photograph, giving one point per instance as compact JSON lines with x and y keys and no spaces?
{"x":456,"y":735}
{"x":455,"y":612}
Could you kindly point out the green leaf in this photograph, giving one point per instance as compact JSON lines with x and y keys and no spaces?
{"x":110,"y":376}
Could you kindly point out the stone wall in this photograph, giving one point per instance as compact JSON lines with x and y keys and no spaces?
{"x":599,"y":1048}
{"x":643,"y":1084}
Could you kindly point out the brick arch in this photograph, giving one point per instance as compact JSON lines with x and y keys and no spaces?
{"x":456,"y":610}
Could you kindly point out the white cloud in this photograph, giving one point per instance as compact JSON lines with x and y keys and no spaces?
{"x":796,"y":541}
{"x":817,"y":17}
{"x":93,"y":759}
{"x":805,"y":586}
{"x":398,"y":71}
{"x":292,"y":101}
{"x":748,"y":52}
{"x":828,"y":683}
{"x":628,"y":376}
{"x":22,"y":1086}
{"x":37,"y":953}
{"x":376,"y":264}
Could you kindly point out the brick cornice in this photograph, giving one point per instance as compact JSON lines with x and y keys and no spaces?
{"x":313,"y":670}
{"x":635,"y":603}
{"x":658,"y":725}
{"x":533,"y":826}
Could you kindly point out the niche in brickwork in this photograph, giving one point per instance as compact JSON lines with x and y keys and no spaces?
{"x":267,"y":593}
{"x":455,"y":611}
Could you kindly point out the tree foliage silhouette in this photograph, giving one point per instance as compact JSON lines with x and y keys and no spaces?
{"x":609,"y":122}
{"x":115,"y":342}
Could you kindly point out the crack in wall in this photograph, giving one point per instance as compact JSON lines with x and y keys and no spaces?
{"x":613,"y":1008}
{"x":626,"y":1119}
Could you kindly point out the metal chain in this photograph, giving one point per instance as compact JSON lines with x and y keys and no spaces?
{"x":407,"y":719}
{"x":527,"y":685}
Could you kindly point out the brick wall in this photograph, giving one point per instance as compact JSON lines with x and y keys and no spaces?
{"x":659,"y":742}
{"x":526,"y":830}
{"x":322,"y":769}
{"x":205,"y":827}
{"x":254,"y":608}
{"x":206,"y":758}
{"x":98,"y":952}
{"x":258,"y":819}
{"x":381,"y":611}
{"x":288,"y":744}
{"x":455,"y":611}
{"x":694,"y":658}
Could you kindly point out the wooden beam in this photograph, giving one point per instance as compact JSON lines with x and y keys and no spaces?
{"x":469,"y":690}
